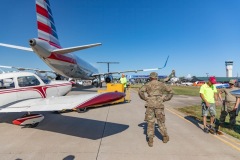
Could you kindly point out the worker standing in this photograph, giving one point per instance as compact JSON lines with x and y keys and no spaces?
{"x":123,"y":80}
{"x":156,"y":93}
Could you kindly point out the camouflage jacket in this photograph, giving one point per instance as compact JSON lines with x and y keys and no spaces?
{"x":155,"y":93}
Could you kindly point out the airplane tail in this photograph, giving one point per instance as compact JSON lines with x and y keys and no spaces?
{"x":45,"y":23}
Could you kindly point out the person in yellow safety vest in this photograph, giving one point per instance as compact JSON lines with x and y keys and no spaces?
{"x":123,"y":80}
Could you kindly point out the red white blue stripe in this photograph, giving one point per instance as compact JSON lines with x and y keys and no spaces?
{"x":46,"y":26}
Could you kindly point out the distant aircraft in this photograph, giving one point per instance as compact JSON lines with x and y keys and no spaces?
{"x":59,"y":59}
{"x":26,"y":92}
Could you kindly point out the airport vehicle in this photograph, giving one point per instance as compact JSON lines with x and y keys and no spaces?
{"x":59,"y":59}
{"x":187,"y":83}
{"x":26,"y":92}
{"x":198,"y":83}
{"x":222,"y":85}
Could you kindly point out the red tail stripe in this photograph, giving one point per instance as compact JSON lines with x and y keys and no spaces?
{"x":42,"y":11}
{"x":62,"y":58}
{"x":52,"y":43}
{"x":44,"y":27}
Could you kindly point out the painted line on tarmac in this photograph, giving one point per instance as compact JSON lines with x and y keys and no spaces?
{"x":218,"y":137}
{"x":231,"y":140}
{"x":173,"y":112}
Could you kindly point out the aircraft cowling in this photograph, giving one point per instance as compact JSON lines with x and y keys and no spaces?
{"x":32,"y":42}
{"x":108,"y":79}
{"x":41,"y":47}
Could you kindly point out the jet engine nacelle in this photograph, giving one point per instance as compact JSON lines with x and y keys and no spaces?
{"x":108,"y":78}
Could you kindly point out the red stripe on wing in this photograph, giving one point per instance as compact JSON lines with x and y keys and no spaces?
{"x":103,"y":98}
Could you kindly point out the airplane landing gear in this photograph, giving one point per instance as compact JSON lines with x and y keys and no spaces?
{"x":29,"y":120}
{"x":82,"y":110}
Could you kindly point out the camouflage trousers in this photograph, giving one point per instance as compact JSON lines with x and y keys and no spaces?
{"x":228,"y":109}
{"x":151,"y":114}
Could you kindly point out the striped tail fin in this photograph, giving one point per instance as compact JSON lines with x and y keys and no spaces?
{"x":45,"y":23}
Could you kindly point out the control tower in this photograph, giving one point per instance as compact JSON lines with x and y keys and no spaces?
{"x":229,"y":67}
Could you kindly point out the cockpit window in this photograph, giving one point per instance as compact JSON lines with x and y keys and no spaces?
{"x":7,"y":83}
{"x":25,"y":81}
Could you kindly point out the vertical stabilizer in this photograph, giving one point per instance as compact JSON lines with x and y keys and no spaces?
{"x":46,"y":27}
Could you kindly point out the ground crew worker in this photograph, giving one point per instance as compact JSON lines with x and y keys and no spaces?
{"x":208,"y":93}
{"x":156,"y":93}
{"x":123,"y":80}
{"x":230,"y":104}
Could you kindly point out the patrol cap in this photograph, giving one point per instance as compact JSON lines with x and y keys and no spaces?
{"x":232,"y":81}
{"x":153,"y":75}
{"x":212,"y":79}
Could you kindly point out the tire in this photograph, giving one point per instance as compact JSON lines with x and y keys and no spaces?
{"x":82,"y":110}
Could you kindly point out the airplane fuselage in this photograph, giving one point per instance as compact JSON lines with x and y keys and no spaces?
{"x":68,"y":65}
{"x":19,"y":86}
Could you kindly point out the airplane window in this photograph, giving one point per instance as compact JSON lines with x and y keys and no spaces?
{"x":27,"y":81}
{"x":7,"y":83}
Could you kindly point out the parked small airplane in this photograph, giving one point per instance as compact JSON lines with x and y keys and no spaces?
{"x":26,"y":92}
{"x":59,"y":59}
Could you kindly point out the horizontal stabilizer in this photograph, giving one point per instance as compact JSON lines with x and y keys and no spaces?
{"x":73,"y":49}
{"x":16,"y":47}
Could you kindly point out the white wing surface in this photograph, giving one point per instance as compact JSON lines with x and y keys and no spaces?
{"x":139,"y":70}
{"x":64,"y":102}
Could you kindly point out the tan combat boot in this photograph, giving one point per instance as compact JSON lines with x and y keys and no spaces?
{"x":165,"y":139}
{"x":150,"y":142}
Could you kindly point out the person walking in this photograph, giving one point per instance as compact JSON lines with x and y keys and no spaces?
{"x":208,"y":94}
{"x":155,"y":93}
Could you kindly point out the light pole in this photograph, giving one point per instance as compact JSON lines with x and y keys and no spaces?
{"x":109,"y":63}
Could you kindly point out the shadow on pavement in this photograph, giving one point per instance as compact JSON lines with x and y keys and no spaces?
{"x":194,"y":120}
{"x":157,"y":133}
{"x":73,"y":126}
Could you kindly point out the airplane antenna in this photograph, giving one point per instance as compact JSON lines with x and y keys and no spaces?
{"x":109,"y":63}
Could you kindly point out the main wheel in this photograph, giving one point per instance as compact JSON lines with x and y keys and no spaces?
{"x":82,"y":110}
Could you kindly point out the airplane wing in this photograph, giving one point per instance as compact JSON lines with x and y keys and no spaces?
{"x":24,"y":69}
{"x":140,"y":70}
{"x":16,"y":47}
{"x":73,"y":49}
{"x":63,"y":102}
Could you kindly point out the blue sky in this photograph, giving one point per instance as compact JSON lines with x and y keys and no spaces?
{"x":198,"y":35}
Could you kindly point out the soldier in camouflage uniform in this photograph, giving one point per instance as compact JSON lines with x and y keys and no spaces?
{"x":230,"y":104}
{"x":156,"y":93}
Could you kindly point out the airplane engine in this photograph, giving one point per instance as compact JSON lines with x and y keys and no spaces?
{"x":32,"y":42}
{"x":108,"y":79}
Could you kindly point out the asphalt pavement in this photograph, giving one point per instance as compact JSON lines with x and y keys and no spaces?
{"x":114,"y":132}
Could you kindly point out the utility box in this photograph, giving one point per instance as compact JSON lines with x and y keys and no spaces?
{"x":116,"y":87}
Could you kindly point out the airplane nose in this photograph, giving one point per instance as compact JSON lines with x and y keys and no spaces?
{"x":32,"y":42}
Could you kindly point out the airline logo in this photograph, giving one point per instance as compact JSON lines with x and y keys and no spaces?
{"x":46,"y":27}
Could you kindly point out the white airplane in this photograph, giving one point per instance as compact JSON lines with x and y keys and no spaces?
{"x":26,"y":92}
{"x":59,"y":59}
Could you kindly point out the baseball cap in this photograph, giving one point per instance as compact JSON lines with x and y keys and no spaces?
{"x":232,"y":81}
{"x":153,"y":75}
{"x":212,"y":79}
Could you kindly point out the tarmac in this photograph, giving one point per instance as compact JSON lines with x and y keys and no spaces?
{"x":113,"y":132}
